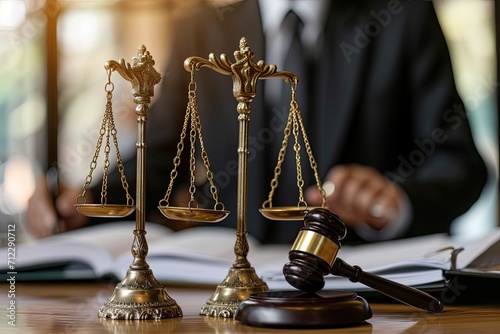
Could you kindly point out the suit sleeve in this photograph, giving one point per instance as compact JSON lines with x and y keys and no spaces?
{"x":454,"y":174}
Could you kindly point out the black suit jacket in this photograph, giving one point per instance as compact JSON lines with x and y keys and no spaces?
{"x":383,"y":95}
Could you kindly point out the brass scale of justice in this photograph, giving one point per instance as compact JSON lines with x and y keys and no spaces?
{"x":139,"y":295}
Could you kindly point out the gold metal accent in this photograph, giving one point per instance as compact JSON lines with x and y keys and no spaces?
{"x":194,"y":214}
{"x":107,"y":129}
{"x":109,"y":210}
{"x":314,"y":243}
{"x":139,"y":295}
{"x":286,"y":212}
{"x":191,"y":212}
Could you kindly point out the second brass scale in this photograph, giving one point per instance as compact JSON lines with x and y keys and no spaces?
{"x":139,"y":295}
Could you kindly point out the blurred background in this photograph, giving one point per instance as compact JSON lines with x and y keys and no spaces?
{"x":52,"y":96}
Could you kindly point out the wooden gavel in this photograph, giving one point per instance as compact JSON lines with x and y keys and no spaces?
{"x":314,"y":255}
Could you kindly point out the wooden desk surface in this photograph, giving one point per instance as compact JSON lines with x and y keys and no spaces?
{"x":72,"y":308}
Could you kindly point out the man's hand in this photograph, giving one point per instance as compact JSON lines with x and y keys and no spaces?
{"x":43,"y":218}
{"x":359,"y":195}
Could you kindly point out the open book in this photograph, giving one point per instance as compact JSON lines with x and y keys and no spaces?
{"x":203,"y":256}
{"x":419,"y":261}
{"x":200,"y":255}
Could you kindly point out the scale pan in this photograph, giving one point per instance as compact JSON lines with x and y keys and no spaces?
{"x":193,"y":214}
{"x":105,"y":211}
{"x":286,"y":212}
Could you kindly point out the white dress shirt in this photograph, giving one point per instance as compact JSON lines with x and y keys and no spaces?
{"x":311,"y":12}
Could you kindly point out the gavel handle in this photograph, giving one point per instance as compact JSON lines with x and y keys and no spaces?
{"x":400,"y":292}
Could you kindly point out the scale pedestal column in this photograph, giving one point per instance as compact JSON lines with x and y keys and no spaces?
{"x":139,"y":295}
{"x":241,"y":280}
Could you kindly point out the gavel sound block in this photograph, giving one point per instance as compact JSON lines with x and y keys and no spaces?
{"x":314,"y":255}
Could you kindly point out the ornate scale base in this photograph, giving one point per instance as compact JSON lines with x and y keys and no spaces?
{"x":134,"y":327}
{"x":238,"y":285}
{"x":296,"y":309}
{"x":138,"y":297}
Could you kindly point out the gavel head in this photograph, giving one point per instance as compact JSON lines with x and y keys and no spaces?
{"x":314,"y":250}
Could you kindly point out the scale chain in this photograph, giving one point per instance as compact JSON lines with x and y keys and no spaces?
{"x":107,"y":128}
{"x":192,"y":114}
{"x":281,"y":157}
{"x":295,"y":125}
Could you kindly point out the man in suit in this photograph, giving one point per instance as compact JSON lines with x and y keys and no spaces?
{"x":387,"y":127}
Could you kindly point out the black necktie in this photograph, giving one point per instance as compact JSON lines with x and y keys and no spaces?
{"x":294,"y":60}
